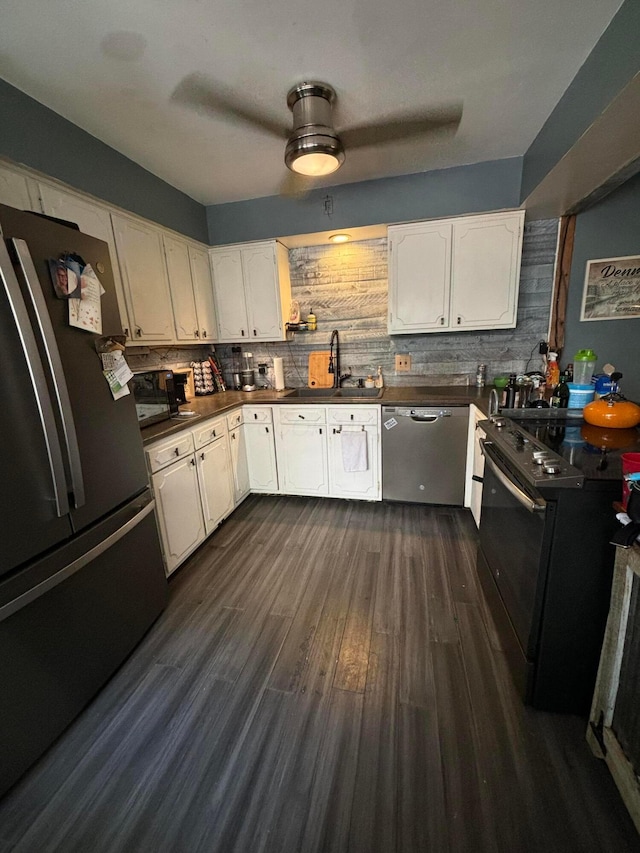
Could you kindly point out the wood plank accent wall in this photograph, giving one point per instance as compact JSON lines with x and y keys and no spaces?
{"x":346,"y":286}
{"x":566,"y":239}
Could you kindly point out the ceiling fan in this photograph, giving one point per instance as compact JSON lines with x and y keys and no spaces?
{"x":313,"y":147}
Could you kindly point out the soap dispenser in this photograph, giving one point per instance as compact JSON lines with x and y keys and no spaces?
{"x":379,"y":378}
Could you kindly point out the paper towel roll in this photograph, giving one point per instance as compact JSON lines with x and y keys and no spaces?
{"x":278,"y":373}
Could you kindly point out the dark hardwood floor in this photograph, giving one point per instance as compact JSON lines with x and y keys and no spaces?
{"x":324,"y":678}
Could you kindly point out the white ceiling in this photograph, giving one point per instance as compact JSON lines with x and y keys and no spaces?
{"x":111,"y":67}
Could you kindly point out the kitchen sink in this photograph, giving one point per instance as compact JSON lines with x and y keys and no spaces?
{"x":349,"y":393}
{"x":313,"y":392}
{"x":359,"y":392}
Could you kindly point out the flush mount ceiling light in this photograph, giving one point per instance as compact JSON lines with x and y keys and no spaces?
{"x":313,"y":148}
{"x":339,"y":238}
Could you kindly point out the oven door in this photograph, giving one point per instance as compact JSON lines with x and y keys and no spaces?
{"x":516,"y":527}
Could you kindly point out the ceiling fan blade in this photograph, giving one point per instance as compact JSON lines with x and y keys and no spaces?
{"x":200,"y":92}
{"x":402,"y":127}
{"x":295,"y":186}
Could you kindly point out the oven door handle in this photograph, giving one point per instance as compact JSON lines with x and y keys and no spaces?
{"x":531,"y":504}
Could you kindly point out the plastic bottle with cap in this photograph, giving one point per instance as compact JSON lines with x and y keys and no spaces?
{"x":553,"y":371}
{"x":584,"y":364}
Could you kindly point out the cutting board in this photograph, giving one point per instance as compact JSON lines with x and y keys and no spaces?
{"x":319,"y":376}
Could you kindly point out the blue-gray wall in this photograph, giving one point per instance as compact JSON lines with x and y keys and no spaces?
{"x":492,"y":185}
{"x":613,"y":62}
{"x":35,"y":136}
{"x":608,"y":230}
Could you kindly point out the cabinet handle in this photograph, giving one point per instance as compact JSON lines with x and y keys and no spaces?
{"x":442,"y":321}
{"x":196,"y":333}
{"x":459,"y":320}
{"x":193,"y":461}
{"x":177,"y":451}
{"x":139,"y":332}
{"x":255,"y":334}
{"x":125,"y":332}
{"x":255,"y":416}
{"x":233,"y":436}
{"x":320,"y":430}
{"x":204,"y":333}
{"x":301,"y":417}
{"x":266,"y":429}
{"x":242,"y":332}
{"x":202,"y":456}
{"x":351,"y":416}
{"x":213,"y":433}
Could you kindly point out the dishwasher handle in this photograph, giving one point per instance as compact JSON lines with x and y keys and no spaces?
{"x":424,"y":416}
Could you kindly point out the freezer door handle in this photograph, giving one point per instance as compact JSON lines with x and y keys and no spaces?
{"x":67,"y":571}
{"x":56,"y":370}
{"x":38,"y":380}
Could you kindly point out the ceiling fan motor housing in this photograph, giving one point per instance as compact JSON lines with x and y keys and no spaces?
{"x":312,"y":127}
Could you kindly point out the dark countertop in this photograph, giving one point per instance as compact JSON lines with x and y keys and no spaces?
{"x":220,"y":404}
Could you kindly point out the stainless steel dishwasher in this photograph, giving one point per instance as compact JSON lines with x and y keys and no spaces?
{"x":424,"y":454}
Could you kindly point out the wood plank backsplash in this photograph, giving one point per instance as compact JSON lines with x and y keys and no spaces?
{"x":346,"y":286}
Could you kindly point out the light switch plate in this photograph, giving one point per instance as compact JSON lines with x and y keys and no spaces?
{"x":403,"y":363}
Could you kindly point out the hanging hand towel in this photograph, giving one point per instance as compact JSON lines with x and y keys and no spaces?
{"x":354,"y":451}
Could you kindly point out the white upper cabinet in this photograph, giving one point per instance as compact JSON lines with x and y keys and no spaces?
{"x":17,"y":190}
{"x":252,"y":291}
{"x":182,"y":297}
{"x":455,"y":274}
{"x":144,"y":276}
{"x":203,"y":293}
{"x":91,"y":219}
{"x":419,"y":276}
{"x":486,"y":271}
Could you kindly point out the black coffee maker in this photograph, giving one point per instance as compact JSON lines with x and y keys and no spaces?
{"x":180,"y":382}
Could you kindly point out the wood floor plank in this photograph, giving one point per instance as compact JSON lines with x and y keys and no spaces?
{"x":353,"y":657}
{"x":222,"y":732}
{"x":374,"y":814}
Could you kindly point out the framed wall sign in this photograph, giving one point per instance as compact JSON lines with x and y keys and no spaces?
{"x":611,"y":289}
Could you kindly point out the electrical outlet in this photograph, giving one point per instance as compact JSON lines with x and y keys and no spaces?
{"x":543,"y":347}
{"x":403,"y":363}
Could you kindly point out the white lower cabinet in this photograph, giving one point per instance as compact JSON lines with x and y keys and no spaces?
{"x":213,"y":464}
{"x":475,"y":464}
{"x":239,"y":464}
{"x":193,"y":485}
{"x":261,"y":449}
{"x":179,"y":510}
{"x":343,"y":482}
{"x":301,"y":449}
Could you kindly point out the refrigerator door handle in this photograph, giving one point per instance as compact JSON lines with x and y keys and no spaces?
{"x":56,"y":370}
{"x":38,"y":590}
{"x":38,"y":380}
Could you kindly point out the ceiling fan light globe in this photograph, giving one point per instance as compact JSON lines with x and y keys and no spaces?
{"x":314,"y":155}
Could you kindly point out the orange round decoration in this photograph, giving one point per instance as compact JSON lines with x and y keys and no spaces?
{"x":618,"y":414}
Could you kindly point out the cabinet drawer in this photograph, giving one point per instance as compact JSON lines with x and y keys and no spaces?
{"x":209,"y":431}
{"x":165,"y":452}
{"x":234,"y":419}
{"x":360,"y":415}
{"x":257,"y":415}
{"x":302,"y":414}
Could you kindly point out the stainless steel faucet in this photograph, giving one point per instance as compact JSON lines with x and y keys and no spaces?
{"x":494,"y":402}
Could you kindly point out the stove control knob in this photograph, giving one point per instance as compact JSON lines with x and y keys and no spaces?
{"x":551,"y":468}
{"x":539,"y":459}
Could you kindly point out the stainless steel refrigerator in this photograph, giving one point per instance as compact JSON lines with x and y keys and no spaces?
{"x":81,"y":572}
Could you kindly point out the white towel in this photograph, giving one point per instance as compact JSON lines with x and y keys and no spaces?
{"x":354,"y":451}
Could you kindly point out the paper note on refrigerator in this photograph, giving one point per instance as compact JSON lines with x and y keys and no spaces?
{"x":86,"y":313}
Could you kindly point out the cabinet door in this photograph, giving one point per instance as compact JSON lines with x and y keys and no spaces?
{"x":261,"y":457}
{"x":144,"y":275}
{"x":182,"y":299}
{"x":17,"y":190}
{"x":93,"y":220}
{"x":475,"y":464}
{"x":262,"y":292}
{"x":216,"y":485}
{"x":302,"y":459}
{"x":203,"y":293}
{"x":486,"y":271}
{"x":179,"y":510}
{"x":228,"y":287}
{"x":354,"y":484}
{"x":419,"y":277}
{"x":239,"y":465}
